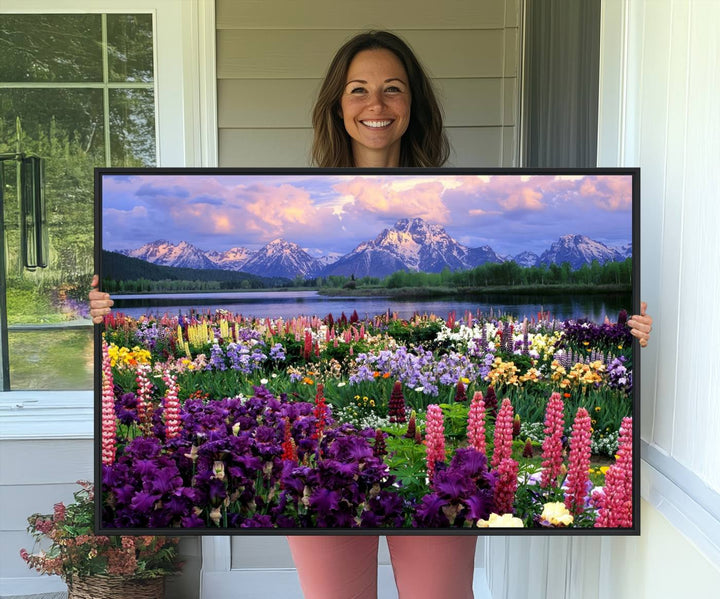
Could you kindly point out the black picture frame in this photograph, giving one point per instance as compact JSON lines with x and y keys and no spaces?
{"x":103,"y":175}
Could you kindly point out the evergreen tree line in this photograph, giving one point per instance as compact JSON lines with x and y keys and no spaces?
{"x":504,"y":274}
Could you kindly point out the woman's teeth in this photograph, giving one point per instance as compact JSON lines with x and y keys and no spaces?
{"x":376,"y":124}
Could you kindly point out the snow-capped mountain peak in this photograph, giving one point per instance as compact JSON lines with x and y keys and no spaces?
{"x":578,"y":250}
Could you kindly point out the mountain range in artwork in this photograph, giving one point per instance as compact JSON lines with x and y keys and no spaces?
{"x":410,"y":244}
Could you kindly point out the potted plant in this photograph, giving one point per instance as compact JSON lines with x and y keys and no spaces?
{"x":95,"y":566}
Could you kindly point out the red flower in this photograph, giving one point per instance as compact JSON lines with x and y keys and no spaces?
{"x":320,"y":412}
{"x":396,"y":406}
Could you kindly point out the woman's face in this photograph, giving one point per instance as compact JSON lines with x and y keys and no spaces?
{"x":375,"y":107}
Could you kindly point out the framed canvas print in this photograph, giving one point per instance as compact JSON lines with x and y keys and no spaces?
{"x":410,"y":351}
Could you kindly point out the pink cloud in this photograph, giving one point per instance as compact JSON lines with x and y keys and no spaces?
{"x":609,"y":193}
{"x":524,"y":198}
{"x":382,"y":198}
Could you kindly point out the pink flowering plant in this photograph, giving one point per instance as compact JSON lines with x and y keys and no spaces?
{"x":216,"y":421}
{"x":66,"y":546}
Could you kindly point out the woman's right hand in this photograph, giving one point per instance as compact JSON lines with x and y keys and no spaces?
{"x":100,"y":302}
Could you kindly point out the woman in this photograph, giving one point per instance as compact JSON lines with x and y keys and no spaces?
{"x":377,"y":108}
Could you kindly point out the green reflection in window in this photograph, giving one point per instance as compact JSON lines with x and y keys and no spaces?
{"x":55,"y":359}
{"x":130,"y":48}
{"x":132,"y":127}
{"x":40,"y":48}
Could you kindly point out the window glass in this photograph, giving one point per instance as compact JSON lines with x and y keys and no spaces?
{"x":132,"y":127}
{"x":130,"y":47}
{"x":62,"y":115}
{"x":36,"y":48}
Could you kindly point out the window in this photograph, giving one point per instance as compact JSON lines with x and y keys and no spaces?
{"x":78,"y":90}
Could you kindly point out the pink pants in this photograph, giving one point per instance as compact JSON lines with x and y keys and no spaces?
{"x":346,"y":567}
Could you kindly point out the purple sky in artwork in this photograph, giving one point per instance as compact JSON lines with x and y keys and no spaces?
{"x":326,"y":213}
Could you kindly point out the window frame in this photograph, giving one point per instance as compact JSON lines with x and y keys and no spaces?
{"x":186,"y":135}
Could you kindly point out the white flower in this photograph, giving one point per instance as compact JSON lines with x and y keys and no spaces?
{"x":342,"y":384}
{"x":263,"y":381}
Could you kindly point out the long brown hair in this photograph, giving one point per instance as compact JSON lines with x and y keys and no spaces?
{"x":423,"y":144}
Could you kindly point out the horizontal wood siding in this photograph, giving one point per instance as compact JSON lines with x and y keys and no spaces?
{"x":271,"y":58}
{"x":341,"y":14}
{"x":35,"y":475}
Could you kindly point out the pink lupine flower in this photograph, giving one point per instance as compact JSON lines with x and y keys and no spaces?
{"x":615,"y":500}
{"x":108,"y":427}
{"x":552,"y":445}
{"x":171,"y":406}
{"x":144,"y":387}
{"x":506,"y":486}
{"x":578,"y":477}
{"x":476,"y":422}
{"x":434,"y":438}
{"x":503,"y":433}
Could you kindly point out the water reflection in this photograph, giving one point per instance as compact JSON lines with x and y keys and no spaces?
{"x":288,"y":304}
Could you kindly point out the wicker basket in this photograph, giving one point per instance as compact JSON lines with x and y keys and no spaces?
{"x":116,"y":587}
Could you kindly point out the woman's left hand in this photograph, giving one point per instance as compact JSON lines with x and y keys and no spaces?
{"x":641,"y":325}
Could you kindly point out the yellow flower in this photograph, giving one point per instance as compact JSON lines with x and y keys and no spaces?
{"x":556,"y":514}
{"x":504,"y":521}
{"x":465,"y":380}
{"x":604,"y":469}
{"x":597,"y":408}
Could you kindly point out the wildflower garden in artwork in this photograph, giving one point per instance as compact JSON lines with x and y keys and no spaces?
{"x":214,"y":421}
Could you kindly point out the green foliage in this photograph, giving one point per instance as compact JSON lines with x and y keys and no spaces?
{"x":407,"y":461}
{"x":341,"y":353}
{"x":455,"y":417}
{"x":409,"y":334}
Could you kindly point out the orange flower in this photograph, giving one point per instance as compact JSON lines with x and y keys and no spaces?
{"x":376,"y":374}
{"x":566,"y":395}
{"x":308,"y":381}
{"x":386,"y":375}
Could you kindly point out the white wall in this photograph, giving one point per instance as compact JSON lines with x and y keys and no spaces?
{"x":659,"y":90}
